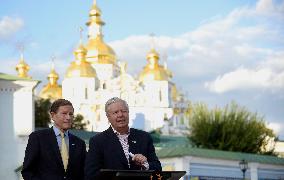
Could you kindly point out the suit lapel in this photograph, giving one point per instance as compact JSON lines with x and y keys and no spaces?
{"x":133,"y":144}
{"x":72,"y":148}
{"x":132,"y":141}
{"x":54,"y":145}
{"x":117,"y":145}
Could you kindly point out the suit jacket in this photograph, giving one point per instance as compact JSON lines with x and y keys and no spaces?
{"x":105,"y":152}
{"x":43,"y":160}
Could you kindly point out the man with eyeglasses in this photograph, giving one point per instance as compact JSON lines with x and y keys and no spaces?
{"x":120,"y":147}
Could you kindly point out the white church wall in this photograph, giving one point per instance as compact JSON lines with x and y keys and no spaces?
{"x":104,"y":71}
{"x":8,"y":155}
{"x":156,"y":93}
{"x":78,"y":89}
{"x":16,"y":122}
{"x":147,"y":117}
{"x":23,"y":114}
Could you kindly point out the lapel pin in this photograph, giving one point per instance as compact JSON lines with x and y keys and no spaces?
{"x":134,"y":142}
{"x":73,"y":144}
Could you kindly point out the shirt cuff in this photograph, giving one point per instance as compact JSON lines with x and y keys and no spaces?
{"x":146,"y":165}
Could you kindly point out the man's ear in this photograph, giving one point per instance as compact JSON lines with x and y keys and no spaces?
{"x":52,"y":114}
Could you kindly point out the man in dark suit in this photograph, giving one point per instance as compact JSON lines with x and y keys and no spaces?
{"x":54,"y":153}
{"x":120,"y":147}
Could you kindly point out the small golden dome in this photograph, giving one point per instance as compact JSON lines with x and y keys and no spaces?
{"x":153,"y":71}
{"x":153,"y":54}
{"x":80,"y":67}
{"x":52,"y":90}
{"x":95,"y":10}
{"x":94,"y":15}
{"x":53,"y":77}
{"x":23,"y":68}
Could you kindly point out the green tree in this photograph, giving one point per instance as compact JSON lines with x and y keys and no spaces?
{"x":78,"y":122}
{"x":42,"y":118}
{"x":233,"y":128}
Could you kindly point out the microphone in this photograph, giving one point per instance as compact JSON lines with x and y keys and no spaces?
{"x":145,"y":164}
{"x":131,"y":154}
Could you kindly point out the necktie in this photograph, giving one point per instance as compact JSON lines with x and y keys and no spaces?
{"x":64,"y":151}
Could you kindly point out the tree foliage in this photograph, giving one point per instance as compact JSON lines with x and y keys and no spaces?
{"x":233,"y":128}
{"x":42,"y":118}
{"x":78,"y":123}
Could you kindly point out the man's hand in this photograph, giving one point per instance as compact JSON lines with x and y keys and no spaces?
{"x":139,"y":159}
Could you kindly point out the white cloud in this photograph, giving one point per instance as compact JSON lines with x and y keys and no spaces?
{"x":275,"y":62}
{"x":245,"y":79}
{"x":134,"y":49}
{"x":246,"y":50}
{"x":276,"y":127}
{"x":9,"y":26}
{"x":268,"y":7}
{"x":215,"y":49}
{"x":267,"y":75}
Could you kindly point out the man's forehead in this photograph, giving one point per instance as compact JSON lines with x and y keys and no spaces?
{"x":117,"y":105}
{"x":65,"y":108}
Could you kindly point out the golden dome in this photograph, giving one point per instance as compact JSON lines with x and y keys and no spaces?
{"x":153,"y":71}
{"x":100,"y":51}
{"x":23,"y":68}
{"x":80,"y":67}
{"x":52,"y":90}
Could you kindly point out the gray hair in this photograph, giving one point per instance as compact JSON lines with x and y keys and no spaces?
{"x":114,"y":100}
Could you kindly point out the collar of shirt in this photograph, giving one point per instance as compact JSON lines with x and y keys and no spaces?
{"x":117,"y":133}
{"x":59,"y":139}
{"x":57,"y":131}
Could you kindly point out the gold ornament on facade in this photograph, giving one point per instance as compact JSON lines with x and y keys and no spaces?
{"x":174,"y":93}
{"x":188,"y":110}
{"x":95,"y":107}
{"x":177,"y":110}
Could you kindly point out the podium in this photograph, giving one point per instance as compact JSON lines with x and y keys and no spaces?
{"x":111,"y":174}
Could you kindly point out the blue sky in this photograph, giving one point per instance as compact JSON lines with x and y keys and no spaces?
{"x":218,"y":51}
